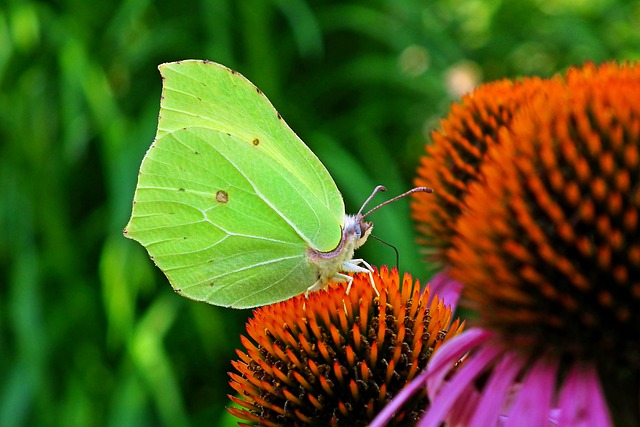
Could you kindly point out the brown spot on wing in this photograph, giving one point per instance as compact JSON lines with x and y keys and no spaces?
{"x":222,"y":196}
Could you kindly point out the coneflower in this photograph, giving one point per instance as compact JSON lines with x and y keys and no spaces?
{"x":336,"y":359}
{"x":547,"y":248}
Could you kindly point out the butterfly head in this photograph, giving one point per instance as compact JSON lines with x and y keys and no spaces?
{"x":356,"y":230}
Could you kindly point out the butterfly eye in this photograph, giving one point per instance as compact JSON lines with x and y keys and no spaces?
{"x":358,"y":230}
{"x":364,"y":226}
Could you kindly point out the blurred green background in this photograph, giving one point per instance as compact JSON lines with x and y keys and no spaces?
{"x":91,"y":334}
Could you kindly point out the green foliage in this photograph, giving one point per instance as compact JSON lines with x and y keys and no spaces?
{"x":90,"y":332}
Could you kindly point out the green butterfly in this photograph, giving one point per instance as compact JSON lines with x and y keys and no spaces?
{"x":231,"y":205}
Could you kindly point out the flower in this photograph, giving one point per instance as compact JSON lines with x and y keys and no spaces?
{"x":546,"y":245}
{"x":338,"y":359}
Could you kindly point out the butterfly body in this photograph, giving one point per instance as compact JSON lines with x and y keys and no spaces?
{"x":332,"y":265}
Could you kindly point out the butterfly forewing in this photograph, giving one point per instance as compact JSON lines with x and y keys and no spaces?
{"x":206,"y":94}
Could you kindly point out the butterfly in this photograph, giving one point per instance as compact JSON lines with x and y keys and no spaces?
{"x":231,"y":205}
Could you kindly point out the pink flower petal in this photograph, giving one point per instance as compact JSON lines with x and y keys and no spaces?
{"x":495,"y":391}
{"x":462,"y":411}
{"x":581,"y":399}
{"x":446,"y":288}
{"x":532,"y":406}
{"x":450,"y":352}
{"x":458,"y":386}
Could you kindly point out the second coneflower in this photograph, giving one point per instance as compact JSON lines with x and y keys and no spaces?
{"x":337,"y":359}
{"x":548,"y":251}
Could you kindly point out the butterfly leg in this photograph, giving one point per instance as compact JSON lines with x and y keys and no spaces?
{"x":353,"y":266}
{"x":322,"y":282}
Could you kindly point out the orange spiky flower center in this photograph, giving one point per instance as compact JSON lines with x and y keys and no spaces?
{"x":549,"y":250}
{"x":337,"y":359}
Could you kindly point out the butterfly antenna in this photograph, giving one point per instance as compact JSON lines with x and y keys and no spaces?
{"x":405,"y":194}
{"x":379,"y":188}
{"x":391,"y":246}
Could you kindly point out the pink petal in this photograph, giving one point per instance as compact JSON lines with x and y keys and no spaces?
{"x":495,"y":391}
{"x":462,"y":411}
{"x":581,"y":399}
{"x":446,"y":288}
{"x":532,"y":406}
{"x":450,"y":352}
{"x":460,"y":384}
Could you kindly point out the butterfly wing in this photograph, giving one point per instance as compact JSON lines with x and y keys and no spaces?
{"x":225,"y":212}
